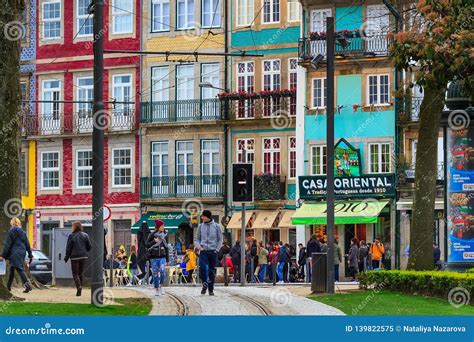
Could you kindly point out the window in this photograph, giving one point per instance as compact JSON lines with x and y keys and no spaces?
{"x":210,"y":158}
{"x":245,"y":14}
{"x":159,"y":159}
{"x":51,"y":20}
{"x":379,"y":155}
{"x":318,"y":160}
{"x":50,"y":170}
{"x":210,"y":73}
{"x":211,"y":13}
{"x":184,"y":158}
{"x":320,"y":95}
{"x":245,"y":76}
{"x":185,"y":82}
{"x":122,"y":92}
{"x":271,"y":74}
{"x":318,"y":20}
{"x":294,"y":10}
{"x":245,"y":150}
{"x":23,"y":174}
{"x":83,"y":169}
{"x":122,"y":167}
{"x":271,"y":155}
{"x":85,"y":92}
{"x":160,"y":83}
{"x":83,"y":19}
{"x":51,"y":92}
{"x":292,"y":73}
{"x":185,"y":14}
{"x":122,"y":15}
{"x":24,"y":93}
{"x":160,"y":15}
{"x":271,"y":11}
{"x":292,"y":157}
{"x":378,"y":90}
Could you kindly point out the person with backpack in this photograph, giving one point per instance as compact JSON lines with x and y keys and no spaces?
{"x":15,"y":250}
{"x":77,"y":249}
{"x":158,"y":253}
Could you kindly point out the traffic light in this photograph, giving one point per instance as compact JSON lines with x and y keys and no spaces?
{"x":242,"y":182}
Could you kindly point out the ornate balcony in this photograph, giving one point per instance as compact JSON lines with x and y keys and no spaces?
{"x":408,"y":109}
{"x":269,"y":187}
{"x":180,"y":110}
{"x":182,"y":187}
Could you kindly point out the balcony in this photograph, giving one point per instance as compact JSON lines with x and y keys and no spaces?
{"x":80,"y":122}
{"x":181,"y":187}
{"x":408,"y":108}
{"x":348,"y":45}
{"x":180,"y":111}
{"x":269,"y":187}
{"x":409,"y":174}
{"x":265,"y":104}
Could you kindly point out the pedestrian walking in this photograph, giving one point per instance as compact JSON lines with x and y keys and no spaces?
{"x":436,"y":256}
{"x":77,"y":249}
{"x":302,"y":257}
{"x":235,"y":255}
{"x":208,"y":242}
{"x":262,"y":253}
{"x":368,"y":264}
{"x":283,"y":259}
{"x":158,"y":253}
{"x":142,"y":238}
{"x":191,"y":263}
{"x":323,"y":244}
{"x":15,"y":250}
{"x":225,"y":249}
{"x":132,"y":267}
{"x":353,"y":258}
{"x":313,"y":246}
{"x":337,"y":259}
{"x":363,"y":255}
{"x":272,"y":263}
{"x":377,"y":250}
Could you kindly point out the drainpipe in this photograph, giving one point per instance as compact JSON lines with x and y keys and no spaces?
{"x":398,"y":80}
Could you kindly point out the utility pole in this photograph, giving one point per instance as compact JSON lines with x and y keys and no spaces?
{"x":242,"y":231}
{"x":330,"y":152}
{"x":98,"y":157}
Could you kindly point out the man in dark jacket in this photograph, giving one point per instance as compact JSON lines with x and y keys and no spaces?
{"x":302,"y":259}
{"x":142,"y":237}
{"x":436,"y":256}
{"x":313,"y":246}
{"x":283,"y":259}
{"x":15,"y":249}
{"x":235,"y":255}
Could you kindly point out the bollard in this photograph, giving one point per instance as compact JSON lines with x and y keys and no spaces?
{"x":319,"y":272}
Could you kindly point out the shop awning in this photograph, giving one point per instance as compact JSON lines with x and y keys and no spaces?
{"x":236,"y":219}
{"x":265,"y":219}
{"x":285,"y":221}
{"x":172,"y":220}
{"x":350,"y":212}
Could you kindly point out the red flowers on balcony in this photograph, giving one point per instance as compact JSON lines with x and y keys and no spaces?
{"x":242,"y":95}
{"x":343,"y":33}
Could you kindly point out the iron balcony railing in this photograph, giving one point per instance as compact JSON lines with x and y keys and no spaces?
{"x":269,"y":187}
{"x":181,"y":186}
{"x":372,"y":46}
{"x":81,"y":122}
{"x":180,"y":110}
{"x":408,"y":108}
{"x":410,"y":173}
{"x":255,"y":106}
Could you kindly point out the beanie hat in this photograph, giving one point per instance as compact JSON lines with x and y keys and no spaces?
{"x":159,"y":223}
{"x":207,"y":213}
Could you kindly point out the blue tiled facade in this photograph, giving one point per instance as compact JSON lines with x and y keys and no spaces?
{"x":28,"y":51}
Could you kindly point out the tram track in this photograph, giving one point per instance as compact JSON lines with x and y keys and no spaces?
{"x":183,"y":309}
{"x":260,"y":306}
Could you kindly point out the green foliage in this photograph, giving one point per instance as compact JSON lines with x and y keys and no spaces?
{"x":430,"y":283}
{"x":268,"y":187}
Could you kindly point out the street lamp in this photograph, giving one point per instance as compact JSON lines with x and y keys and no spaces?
{"x":210,"y":85}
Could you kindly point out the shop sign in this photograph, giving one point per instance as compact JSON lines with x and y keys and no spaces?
{"x":346,"y":160}
{"x":314,"y":187}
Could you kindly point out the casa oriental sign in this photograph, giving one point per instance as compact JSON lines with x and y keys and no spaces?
{"x":314,"y":187}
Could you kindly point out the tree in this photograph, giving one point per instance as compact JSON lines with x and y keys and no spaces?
{"x":437,"y":45}
{"x":10,"y":118}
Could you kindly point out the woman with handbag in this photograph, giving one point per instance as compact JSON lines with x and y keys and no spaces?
{"x":158,"y":254}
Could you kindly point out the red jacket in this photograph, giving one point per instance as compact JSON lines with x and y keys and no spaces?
{"x":230,"y":265}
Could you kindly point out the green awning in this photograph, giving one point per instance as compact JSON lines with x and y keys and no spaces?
{"x":350,"y":212}
{"x":172,"y":220}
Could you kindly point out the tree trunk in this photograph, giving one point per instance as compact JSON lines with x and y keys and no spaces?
{"x":421,"y":233}
{"x":10,"y":198}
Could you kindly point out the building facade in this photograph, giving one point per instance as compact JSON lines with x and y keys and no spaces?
{"x":62,"y":123}
{"x":364,"y":123}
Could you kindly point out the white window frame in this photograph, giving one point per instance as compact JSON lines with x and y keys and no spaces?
{"x":214,"y":14}
{"x":186,"y":152}
{"x":188,"y":15}
{"x":86,"y":88}
{"x":292,"y":71}
{"x":211,"y":152}
{"x":272,"y":152}
{"x":43,"y":20}
{"x":322,"y":94}
{"x":325,"y":12}
{"x":272,"y":12}
{"x":159,"y":154}
{"x":87,"y":18}
{"x":213,"y":77}
{"x":378,"y":95}
{"x":321,"y":150}
{"x":50,"y":169}
{"x":247,"y":7}
{"x":122,"y":166}
{"x":291,"y":149}
{"x":160,"y":85}
{"x":379,"y":156}
{"x":83,"y":168}
{"x":119,"y":12}
{"x":159,"y":20}
{"x":294,"y":11}
{"x":246,"y":75}
{"x":272,"y":73}
{"x":54,"y":112}
{"x":184,"y":79}
{"x":248,"y":152}
{"x":122,"y":108}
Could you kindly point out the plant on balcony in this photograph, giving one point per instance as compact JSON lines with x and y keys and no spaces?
{"x":355,"y":107}
{"x":317,"y":35}
{"x":267,"y":187}
{"x":236,"y":95}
